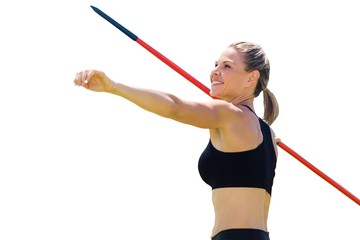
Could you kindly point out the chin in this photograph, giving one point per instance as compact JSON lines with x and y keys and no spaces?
{"x":214,"y":94}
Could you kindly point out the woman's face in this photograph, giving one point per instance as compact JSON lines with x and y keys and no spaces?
{"x":229,"y":78}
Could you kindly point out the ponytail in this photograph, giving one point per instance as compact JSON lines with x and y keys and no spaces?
{"x":271,"y":106}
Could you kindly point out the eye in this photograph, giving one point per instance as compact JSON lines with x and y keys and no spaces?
{"x":216,"y":64}
{"x":227,"y":66}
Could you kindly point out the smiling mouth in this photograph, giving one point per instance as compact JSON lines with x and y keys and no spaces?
{"x":214,"y":83}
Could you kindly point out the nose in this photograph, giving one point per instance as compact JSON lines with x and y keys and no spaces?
{"x":215,"y":72}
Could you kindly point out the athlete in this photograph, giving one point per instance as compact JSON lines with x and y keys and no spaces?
{"x":240,"y":159}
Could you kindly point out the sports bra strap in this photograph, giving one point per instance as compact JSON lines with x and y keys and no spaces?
{"x":248,"y":108}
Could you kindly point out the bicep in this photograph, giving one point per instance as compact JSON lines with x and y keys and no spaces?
{"x":211,"y":115}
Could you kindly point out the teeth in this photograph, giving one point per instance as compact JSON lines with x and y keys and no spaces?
{"x":216,"y":83}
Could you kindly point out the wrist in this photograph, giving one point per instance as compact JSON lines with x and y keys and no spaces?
{"x":115,"y":88}
{"x":111,"y":86}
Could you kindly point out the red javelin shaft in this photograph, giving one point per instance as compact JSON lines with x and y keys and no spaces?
{"x":153,"y":51}
{"x":174,"y":66}
{"x":320,"y":173}
{"x":207,"y":91}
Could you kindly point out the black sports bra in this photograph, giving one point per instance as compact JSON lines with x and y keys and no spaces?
{"x":252,"y":168}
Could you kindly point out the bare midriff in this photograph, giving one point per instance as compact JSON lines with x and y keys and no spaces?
{"x":240,"y":208}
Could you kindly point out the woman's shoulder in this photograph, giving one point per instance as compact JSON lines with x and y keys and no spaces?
{"x":221,"y":105}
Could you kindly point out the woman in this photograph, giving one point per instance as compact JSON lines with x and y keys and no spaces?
{"x":240,"y":159}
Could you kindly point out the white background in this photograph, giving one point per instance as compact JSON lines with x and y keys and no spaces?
{"x":75,"y":164}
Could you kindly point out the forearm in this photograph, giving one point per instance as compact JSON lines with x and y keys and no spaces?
{"x":160,"y":103}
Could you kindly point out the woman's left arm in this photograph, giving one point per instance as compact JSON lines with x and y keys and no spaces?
{"x":205,"y":115}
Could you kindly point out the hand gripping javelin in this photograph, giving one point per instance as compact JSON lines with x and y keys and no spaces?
{"x":207,"y":91}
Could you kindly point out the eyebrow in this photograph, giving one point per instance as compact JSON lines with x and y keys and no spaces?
{"x":225,"y":61}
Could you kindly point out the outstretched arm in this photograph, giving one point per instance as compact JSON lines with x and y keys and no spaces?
{"x":204,"y":115}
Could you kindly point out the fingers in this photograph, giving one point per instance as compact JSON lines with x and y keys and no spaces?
{"x":82,"y":78}
{"x":79,"y":79}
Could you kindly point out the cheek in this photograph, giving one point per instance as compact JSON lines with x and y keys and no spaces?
{"x":236,"y":84}
{"x":232,"y":80}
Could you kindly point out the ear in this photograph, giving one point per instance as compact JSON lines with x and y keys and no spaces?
{"x":253,"y":77}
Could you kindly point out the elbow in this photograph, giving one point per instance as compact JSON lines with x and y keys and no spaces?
{"x":174,"y":108}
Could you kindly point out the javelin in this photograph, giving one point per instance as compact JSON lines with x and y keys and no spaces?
{"x":207,"y":91}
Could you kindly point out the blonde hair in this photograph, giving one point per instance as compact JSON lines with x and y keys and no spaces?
{"x":255,"y":59}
